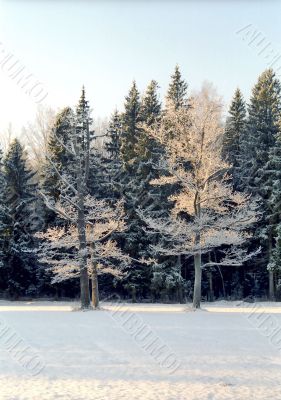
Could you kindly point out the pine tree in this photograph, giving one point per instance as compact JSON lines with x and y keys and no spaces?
{"x":21,"y":222}
{"x":233,"y":134}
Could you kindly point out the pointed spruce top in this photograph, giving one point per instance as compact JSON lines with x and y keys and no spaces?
{"x":177,"y":90}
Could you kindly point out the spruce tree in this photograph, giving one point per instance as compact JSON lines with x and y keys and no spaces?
{"x":167,"y":279}
{"x":3,"y":212}
{"x":57,"y":161}
{"x":147,"y":148}
{"x":109,"y":170}
{"x":262,"y":128}
{"x":20,"y":197}
{"x":269,"y":180}
{"x":138,"y":155}
{"x":233,"y":134}
{"x":114,"y":131}
{"x":74,"y":191}
{"x":177,"y":92}
{"x":257,"y":145}
{"x":131,"y":130}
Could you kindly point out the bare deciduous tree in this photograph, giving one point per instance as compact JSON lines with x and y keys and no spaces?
{"x":36,"y":135}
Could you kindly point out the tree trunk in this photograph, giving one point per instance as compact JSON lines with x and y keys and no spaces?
{"x":180,"y":291}
{"x":197,"y":260}
{"x":197,"y":281}
{"x":134,"y":294}
{"x":95,"y":287}
{"x":210,"y":277}
{"x":211,"y":290}
{"x":271,"y":285}
{"x":84,"y":278}
{"x":94,"y":272}
{"x":222,"y":282}
{"x":271,"y":293}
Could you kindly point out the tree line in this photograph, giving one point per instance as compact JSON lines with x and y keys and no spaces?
{"x":177,"y":203}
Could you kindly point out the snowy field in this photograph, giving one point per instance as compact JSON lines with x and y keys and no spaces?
{"x":224,"y":352}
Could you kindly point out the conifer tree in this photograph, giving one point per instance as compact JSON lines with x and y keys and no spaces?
{"x":57,"y":161}
{"x":233,"y":134}
{"x":114,"y":131}
{"x":3,"y":211}
{"x":74,"y":189}
{"x":147,"y":148}
{"x":177,"y":91}
{"x":262,"y":127}
{"x":21,"y":222}
{"x":269,"y":180}
{"x":110,"y":167}
{"x":167,"y":272}
{"x":257,"y":145}
{"x":138,"y":154}
{"x":131,"y":130}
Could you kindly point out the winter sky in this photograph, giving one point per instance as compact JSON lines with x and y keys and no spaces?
{"x":106,"y":44}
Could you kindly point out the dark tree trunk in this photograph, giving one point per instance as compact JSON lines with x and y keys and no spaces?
{"x":271,"y":291}
{"x":94,"y":273}
{"x":197,"y":281}
{"x":180,"y":291}
{"x":81,"y":227}
{"x":211,"y":290}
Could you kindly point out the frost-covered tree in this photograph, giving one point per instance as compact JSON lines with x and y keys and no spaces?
{"x":177,"y":92}
{"x":62,"y":250}
{"x":56,"y":152}
{"x":113,"y":136}
{"x":262,"y":127}
{"x":36,"y":135}
{"x":207,"y":213}
{"x":269,"y":180}
{"x":131,"y":130}
{"x":138,"y":170}
{"x":110,"y":167}
{"x":233,"y":134}
{"x":257,"y":144}
{"x":3,"y":210}
{"x":21,"y":222}
{"x":74,"y":181}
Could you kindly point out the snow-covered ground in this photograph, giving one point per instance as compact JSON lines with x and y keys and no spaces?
{"x":223,"y":352}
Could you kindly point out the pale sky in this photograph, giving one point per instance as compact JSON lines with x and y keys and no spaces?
{"x":106,"y":44}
